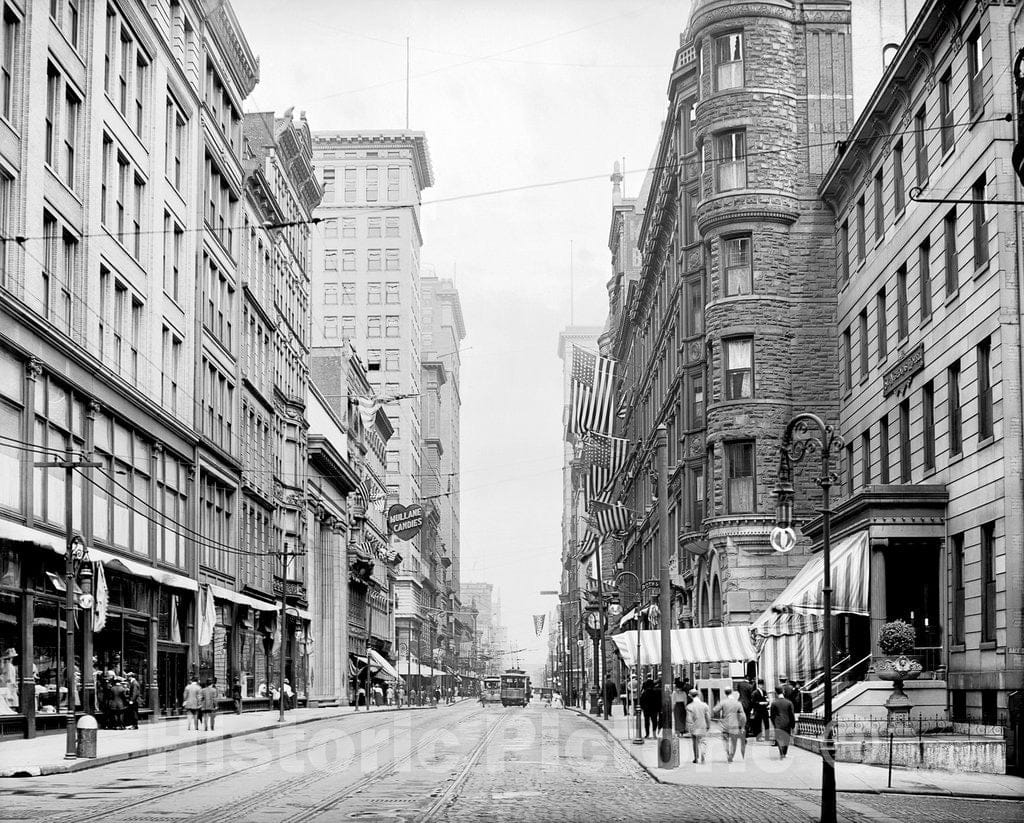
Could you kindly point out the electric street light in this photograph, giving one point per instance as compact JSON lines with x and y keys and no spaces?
{"x":807,"y":433}
{"x":638,"y":740}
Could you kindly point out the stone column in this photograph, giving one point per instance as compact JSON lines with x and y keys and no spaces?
{"x":26,"y":671}
{"x":878,"y":607}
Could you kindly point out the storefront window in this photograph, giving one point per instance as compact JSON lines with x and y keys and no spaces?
{"x":214,"y":658}
{"x":10,"y":662}
{"x":122,"y":646}
{"x":254,"y":645}
{"x":173,"y":617}
{"x":49,"y":664}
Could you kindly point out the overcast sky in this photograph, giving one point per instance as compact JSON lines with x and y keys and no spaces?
{"x":510,"y":94}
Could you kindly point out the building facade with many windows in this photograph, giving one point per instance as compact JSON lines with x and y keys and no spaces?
{"x":722,"y":333}
{"x":366,"y":289}
{"x":154,"y":292}
{"x":928,"y":262}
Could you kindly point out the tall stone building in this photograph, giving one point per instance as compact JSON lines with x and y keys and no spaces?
{"x":366,"y":289}
{"x":443,"y":330}
{"x":577,"y":577}
{"x":141,"y":204}
{"x":930,"y":354}
{"x":722,"y":332}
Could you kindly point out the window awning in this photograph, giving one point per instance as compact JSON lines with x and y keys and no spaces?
{"x":407,"y":667}
{"x":385,"y":670}
{"x":240,"y":599}
{"x":18,"y":533}
{"x":707,"y":645}
{"x":850,"y":562}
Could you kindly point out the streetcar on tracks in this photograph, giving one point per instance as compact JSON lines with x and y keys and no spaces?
{"x":490,"y":690}
{"x":514,"y":685}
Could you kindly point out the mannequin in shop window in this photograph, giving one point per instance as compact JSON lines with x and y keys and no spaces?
{"x":8,"y":682}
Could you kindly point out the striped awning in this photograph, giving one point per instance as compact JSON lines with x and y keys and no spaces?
{"x":382,"y":668}
{"x":708,"y":645}
{"x":790,"y":631}
{"x":850,"y":562}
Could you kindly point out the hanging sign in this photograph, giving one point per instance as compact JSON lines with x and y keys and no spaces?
{"x":404,"y":522}
{"x":538,"y":623}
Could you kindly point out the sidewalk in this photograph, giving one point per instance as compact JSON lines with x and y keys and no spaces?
{"x":44,"y":755}
{"x":801,"y":770}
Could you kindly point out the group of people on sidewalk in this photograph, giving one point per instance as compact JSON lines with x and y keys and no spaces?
{"x":747,"y":711}
{"x":200,"y":703}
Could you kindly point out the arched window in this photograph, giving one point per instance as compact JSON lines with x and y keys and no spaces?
{"x":704,"y":606}
{"x":716,"y":603}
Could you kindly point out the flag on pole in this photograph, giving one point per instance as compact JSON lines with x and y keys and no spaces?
{"x":538,"y":623}
{"x":102,"y":601}
{"x":590,"y":394}
{"x":207,"y":617}
{"x":588,"y":546}
{"x":604,"y":456}
{"x":610,"y":518}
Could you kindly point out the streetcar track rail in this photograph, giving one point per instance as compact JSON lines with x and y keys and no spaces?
{"x":190,"y":786}
{"x":391,"y":768}
{"x":449,"y":793}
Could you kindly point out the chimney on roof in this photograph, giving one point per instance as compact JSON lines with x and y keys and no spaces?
{"x":616,"y":179}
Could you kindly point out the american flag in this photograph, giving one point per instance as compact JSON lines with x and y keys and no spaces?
{"x":603,"y":456}
{"x":610,"y":518}
{"x":372,"y":494}
{"x":590,"y":395}
{"x":587,"y":546}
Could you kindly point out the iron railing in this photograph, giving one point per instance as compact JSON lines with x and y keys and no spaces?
{"x":853,"y":727}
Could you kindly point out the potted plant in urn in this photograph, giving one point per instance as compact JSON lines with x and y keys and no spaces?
{"x":896,"y":639}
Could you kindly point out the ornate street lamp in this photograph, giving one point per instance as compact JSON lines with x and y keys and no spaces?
{"x":808,"y":433}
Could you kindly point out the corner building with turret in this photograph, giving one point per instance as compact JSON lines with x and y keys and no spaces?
{"x":728,"y":330}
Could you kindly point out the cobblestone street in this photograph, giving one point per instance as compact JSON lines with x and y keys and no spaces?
{"x":458,"y":763}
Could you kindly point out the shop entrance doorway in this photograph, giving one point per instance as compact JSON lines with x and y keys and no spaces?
{"x":171,"y":674}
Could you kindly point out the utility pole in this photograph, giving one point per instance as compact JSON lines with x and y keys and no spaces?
{"x":284,"y":633}
{"x":667,"y":758}
{"x":71,"y":561}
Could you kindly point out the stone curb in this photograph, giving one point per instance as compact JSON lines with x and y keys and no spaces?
{"x":1001,"y":796}
{"x":95,"y":762}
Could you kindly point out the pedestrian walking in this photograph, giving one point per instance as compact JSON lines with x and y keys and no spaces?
{"x":632,"y":692}
{"x":133,"y":697}
{"x":759,"y":711}
{"x":625,"y":699}
{"x":650,"y":705}
{"x":743,"y":691}
{"x":678,"y":707}
{"x":787,"y":687}
{"x":208,"y":704}
{"x":556,"y":700}
{"x":192,"y":702}
{"x":117,"y":703}
{"x":698,"y":724}
{"x":378,"y":695}
{"x":611,"y":692}
{"x":783,"y":719}
{"x":734,"y":724}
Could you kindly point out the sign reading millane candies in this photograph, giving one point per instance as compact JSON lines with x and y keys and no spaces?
{"x":405,"y":521}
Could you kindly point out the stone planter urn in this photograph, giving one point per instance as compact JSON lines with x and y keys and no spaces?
{"x":896,"y":639}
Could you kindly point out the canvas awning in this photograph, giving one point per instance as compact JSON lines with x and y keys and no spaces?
{"x":240,"y":599}
{"x":791,"y":629}
{"x":384,"y":669}
{"x":413,"y":667}
{"x":17,"y":533}
{"x":706,"y":645}
{"x":850,"y":563}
